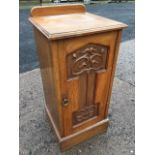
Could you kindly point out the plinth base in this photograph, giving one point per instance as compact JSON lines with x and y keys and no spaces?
{"x":78,"y":137}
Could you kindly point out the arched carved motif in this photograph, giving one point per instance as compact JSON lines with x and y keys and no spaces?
{"x":89,"y":57}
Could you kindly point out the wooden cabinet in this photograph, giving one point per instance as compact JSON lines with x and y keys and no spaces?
{"x":78,"y":53}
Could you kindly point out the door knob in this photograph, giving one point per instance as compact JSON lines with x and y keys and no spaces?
{"x":65,"y":102}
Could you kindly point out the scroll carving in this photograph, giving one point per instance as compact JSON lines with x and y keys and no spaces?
{"x":85,"y":113}
{"x":84,"y":64}
{"x":91,"y":57}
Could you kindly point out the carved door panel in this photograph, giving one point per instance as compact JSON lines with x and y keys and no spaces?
{"x":84,"y":64}
{"x":85,"y":70}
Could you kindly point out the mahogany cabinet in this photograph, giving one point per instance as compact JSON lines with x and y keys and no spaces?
{"x":78,"y":53}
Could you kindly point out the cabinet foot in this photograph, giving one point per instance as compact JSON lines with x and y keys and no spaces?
{"x":78,"y":137}
{"x":85,"y":134}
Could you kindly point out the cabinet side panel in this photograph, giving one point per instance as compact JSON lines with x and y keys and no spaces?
{"x":46,"y":66}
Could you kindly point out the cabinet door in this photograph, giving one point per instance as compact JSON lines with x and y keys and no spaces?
{"x":85,"y":70}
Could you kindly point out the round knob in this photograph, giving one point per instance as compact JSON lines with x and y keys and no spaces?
{"x":65,"y":101}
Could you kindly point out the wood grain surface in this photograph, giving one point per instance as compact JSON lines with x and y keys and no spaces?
{"x":58,"y":22}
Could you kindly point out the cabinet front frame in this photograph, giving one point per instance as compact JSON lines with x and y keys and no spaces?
{"x":67,"y":46}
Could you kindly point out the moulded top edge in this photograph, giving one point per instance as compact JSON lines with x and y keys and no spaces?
{"x":73,"y":24}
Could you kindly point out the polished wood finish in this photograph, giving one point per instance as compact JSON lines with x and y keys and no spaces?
{"x":83,"y":65}
{"x":71,"y":21}
{"x":78,"y":54}
{"x":57,"y":10}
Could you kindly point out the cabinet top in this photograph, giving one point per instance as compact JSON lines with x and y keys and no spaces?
{"x":65,"y":21}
